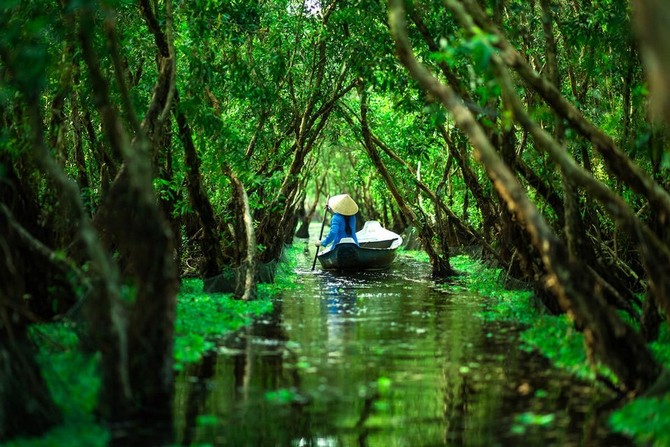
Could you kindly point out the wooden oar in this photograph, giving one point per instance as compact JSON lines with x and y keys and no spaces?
{"x":323,"y":224}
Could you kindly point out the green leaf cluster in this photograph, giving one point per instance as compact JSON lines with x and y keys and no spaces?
{"x":202,"y":318}
{"x":646,"y":420}
{"x":73,"y":380}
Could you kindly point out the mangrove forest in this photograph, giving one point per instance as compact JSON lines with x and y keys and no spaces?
{"x":169,"y":170}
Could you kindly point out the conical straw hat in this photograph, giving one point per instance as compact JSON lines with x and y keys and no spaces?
{"x":343,"y":204}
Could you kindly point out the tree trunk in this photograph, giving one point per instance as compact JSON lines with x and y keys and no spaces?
{"x":441,"y":266}
{"x":616,"y":161}
{"x":613,"y":342}
{"x":245,"y":287}
{"x":651,"y":24}
{"x":210,"y":244}
{"x":490,"y":224}
{"x":137,"y":349}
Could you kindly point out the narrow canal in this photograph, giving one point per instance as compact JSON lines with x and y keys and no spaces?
{"x":382,"y":359}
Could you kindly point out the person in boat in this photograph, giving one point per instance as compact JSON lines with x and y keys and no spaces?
{"x":343,"y":222}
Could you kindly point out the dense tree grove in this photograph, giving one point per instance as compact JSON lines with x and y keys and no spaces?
{"x":146,"y":141}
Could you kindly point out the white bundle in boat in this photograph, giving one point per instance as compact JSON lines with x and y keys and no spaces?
{"x":373,"y":235}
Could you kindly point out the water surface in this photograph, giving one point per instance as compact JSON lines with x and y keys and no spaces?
{"x":382,"y":359}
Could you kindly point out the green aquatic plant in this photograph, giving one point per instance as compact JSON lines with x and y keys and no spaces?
{"x":73,"y":381}
{"x":529,"y":419}
{"x":503,"y":304}
{"x":205,"y":420}
{"x":554,"y":337}
{"x":645,"y":420}
{"x":418,"y":255}
{"x":283,"y":396}
{"x":204,"y":317}
{"x":661,"y":347}
{"x":73,"y":376}
{"x":384,"y":385}
{"x":285,"y":275}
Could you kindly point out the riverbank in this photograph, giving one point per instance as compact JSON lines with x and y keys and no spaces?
{"x":384,"y":358}
{"x":646,"y":420}
{"x":202,"y":319}
{"x":73,"y":378}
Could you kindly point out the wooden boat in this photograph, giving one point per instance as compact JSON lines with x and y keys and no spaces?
{"x":376,"y":250}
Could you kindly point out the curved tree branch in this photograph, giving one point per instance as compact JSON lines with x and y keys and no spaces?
{"x":616,"y":344}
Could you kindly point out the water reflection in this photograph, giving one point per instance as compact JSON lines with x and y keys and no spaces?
{"x":338,"y":308}
{"x":386,"y":360}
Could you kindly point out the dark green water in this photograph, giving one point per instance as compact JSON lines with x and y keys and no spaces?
{"x":383,"y":360}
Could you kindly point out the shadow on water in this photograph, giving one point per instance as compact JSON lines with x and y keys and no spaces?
{"x":382,"y":359}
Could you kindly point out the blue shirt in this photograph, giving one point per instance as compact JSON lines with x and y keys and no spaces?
{"x":338,"y":230}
